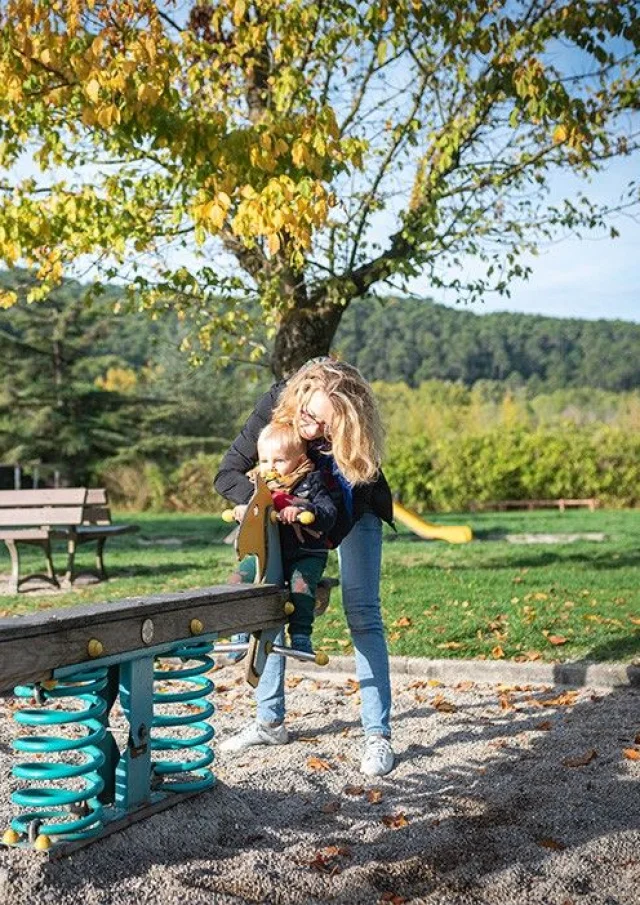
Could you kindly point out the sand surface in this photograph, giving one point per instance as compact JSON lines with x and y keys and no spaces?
{"x":500,"y":795}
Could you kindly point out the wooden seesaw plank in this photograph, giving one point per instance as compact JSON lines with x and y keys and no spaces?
{"x":31,"y":647}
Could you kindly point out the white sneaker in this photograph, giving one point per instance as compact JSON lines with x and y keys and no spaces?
{"x":255,"y":734}
{"x":378,"y":758}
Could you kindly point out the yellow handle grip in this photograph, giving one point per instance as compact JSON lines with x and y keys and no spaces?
{"x":227,"y":515}
{"x":305,"y":518}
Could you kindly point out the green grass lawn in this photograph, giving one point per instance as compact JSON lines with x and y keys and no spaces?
{"x":490,"y":598}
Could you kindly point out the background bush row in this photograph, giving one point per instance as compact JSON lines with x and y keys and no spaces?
{"x":446,"y":473}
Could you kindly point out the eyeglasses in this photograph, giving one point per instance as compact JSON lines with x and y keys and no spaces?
{"x":323,"y":427}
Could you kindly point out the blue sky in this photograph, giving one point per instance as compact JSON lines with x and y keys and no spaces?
{"x":592,"y":277}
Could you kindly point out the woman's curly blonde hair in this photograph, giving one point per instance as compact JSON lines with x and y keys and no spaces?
{"x":357,"y":435}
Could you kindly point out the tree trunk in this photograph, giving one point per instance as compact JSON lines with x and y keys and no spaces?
{"x":304,"y":333}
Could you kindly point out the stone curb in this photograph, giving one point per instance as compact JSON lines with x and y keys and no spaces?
{"x":599,"y":675}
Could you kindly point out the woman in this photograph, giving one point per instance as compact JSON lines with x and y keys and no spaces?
{"x":333,"y":409}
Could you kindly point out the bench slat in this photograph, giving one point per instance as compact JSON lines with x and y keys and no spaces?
{"x":45,"y":515}
{"x":58,"y":496}
{"x":96,"y":496}
{"x":25,"y":534}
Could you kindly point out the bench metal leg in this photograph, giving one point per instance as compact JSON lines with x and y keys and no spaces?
{"x":102,"y":572}
{"x":14,"y":552}
{"x":15,"y":565}
{"x":51,"y":572}
{"x":69,"y":575}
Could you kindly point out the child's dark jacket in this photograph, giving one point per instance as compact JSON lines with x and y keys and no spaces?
{"x":310,"y":494}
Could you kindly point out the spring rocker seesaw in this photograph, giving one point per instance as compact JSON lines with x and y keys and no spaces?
{"x":84,"y":770}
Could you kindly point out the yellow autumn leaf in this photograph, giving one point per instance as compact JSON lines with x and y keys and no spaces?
{"x":215,"y":215}
{"x":273,"y":242}
{"x":147,"y":94}
{"x":92,"y":90}
{"x":560,"y":134}
{"x":107,"y":116}
{"x":239,"y":10}
{"x":8,"y":299}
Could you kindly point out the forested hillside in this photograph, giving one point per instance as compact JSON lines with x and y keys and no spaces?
{"x":110,"y":398}
{"x":413,"y":340}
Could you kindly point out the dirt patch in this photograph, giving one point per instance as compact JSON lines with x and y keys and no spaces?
{"x":594,"y":536}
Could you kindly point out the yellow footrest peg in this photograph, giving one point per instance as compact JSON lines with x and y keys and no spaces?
{"x":321,"y":658}
{"x":42,"y":843}
{"x":10,"y":837}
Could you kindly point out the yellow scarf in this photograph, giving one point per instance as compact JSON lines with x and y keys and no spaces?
{"x":275,"y":481}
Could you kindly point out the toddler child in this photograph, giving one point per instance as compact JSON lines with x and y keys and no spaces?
{"x":296,"y":486}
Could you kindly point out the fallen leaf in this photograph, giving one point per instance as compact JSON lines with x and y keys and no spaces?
{"x":556,"y":639}
{"x":309,"y":739}
{"x":505,"y":702}
{"x":545,"y":725}
{"x":566,"y":699}
{"x":392,"y":898}
{"x":353,"y":790}
{"x":635,"y":620}
{"x":316,"y":763}
{"x":293,"y":681}
{"x":374,"y":796}
{"x":352,"y":687}
{"x":450,"y":645}
{"x":532,"y":654}
{"x":442,"y":705}
{"x":551,"y":843}
{"x":324,"y":860}
{"x":395,"y":821}
{"x":402,"y":622}
{"x":331,"y":807}
{"x":336,"y":851}
{"x":631,"y":753}
{"x":497,"y":653}
{"x":582,"y":760}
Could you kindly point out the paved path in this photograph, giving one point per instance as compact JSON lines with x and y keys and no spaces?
{"x":500,"y":795}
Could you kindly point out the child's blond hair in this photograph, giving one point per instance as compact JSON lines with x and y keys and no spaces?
{"x":357,"y":434}
{"x":286,"y":434}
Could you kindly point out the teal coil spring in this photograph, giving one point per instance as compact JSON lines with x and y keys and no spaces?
{"x":69,"y":810}
{"x":184,"y":691}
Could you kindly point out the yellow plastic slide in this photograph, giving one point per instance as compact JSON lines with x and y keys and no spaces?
{"x":454,"y":534}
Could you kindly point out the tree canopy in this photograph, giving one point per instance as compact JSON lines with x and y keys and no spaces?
{"x":259,"y":162}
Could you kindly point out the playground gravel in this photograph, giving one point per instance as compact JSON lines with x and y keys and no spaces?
{"x":501,"y":794}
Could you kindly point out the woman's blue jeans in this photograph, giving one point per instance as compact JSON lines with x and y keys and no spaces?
{"x":360,"y":556}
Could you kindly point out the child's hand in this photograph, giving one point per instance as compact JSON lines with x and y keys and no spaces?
{"x":238,"y":512}
{"x":289,"y":514}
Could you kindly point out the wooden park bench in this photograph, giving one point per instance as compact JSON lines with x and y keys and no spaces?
{"x":530,"y":505}
{"x":95,"y":527}
{"x":36,"y":517}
